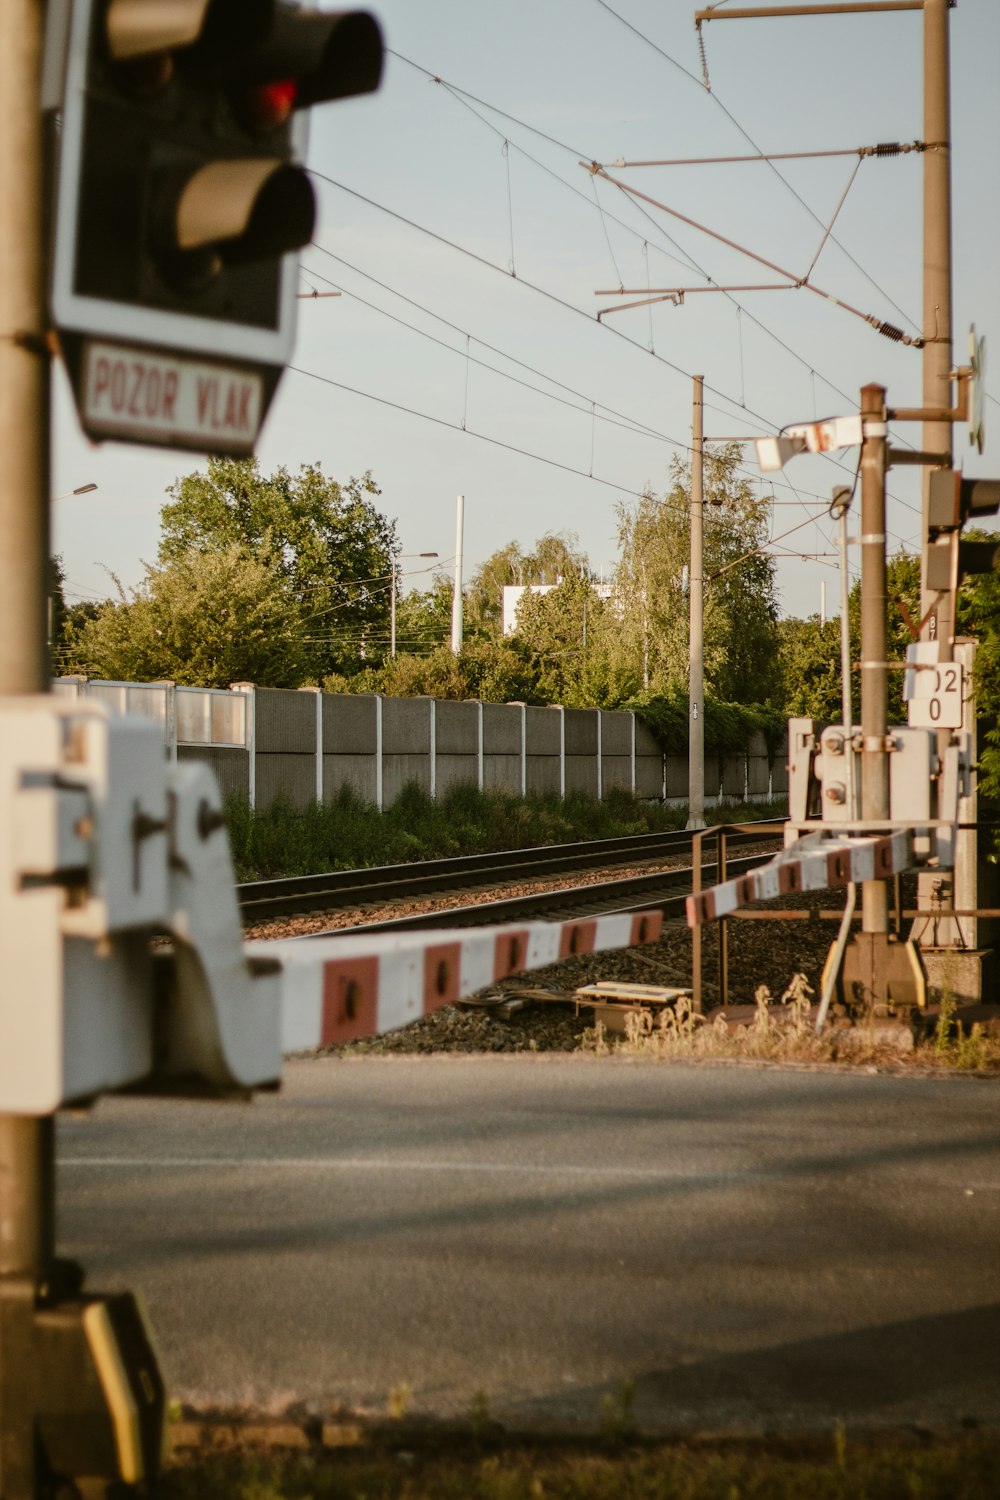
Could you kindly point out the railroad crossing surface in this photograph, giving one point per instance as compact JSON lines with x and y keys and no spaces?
{"x":762,"y":1247}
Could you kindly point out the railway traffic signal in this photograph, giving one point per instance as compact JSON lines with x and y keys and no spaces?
{"x":953,"y":501}
{"x":180,"y":197}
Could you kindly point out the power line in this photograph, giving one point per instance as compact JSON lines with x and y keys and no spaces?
{"x":540,"y":291}
{"x":455,"y":427}
{"x":629,"y":424}
{"x":463,"y":97}
{"x":751,"y":142}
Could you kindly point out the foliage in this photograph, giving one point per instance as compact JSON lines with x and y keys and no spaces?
{"x":555,"y":557}
{"x":728,"y":726}
{"x":403,"y":1462}
{"x":810,"y":664}
{"x":326,"y":545}
{"x":740,"y":614}
{"x":423,"y":618}
{"x":571,"y":636}
{"x":349,"y":833}
{"x":810,"y":652}
{"x":206,"y":619}
{"x":495,"y":671}
{"x":979,"y":616}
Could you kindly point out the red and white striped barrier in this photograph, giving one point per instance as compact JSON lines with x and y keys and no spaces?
{"x":351,"y":985}
{"x":813,"y":863}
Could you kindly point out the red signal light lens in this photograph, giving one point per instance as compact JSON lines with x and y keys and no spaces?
{"x":271,"y":104}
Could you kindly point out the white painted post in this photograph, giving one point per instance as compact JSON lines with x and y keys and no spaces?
{"x":433,"y":747}
{"x":249,"y":736}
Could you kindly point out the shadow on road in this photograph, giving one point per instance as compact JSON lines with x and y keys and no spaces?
{"x":938,"y":1371}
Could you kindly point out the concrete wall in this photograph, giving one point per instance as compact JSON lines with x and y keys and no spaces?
{"x":616,"y":751}
{"x":304,"y":746}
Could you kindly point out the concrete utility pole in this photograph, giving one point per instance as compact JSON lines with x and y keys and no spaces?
{"x":937,"y":330}
{"x":696,"y":609}
{"x":27,"y":1188}
{"x":456,"y":602}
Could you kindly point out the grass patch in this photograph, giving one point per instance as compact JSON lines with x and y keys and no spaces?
{"x":963,"y":1469}
{"x":349,"y":833}
{"x":784,"y":1031}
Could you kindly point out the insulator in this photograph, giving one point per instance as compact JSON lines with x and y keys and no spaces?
{"x":889,"y":330}
{"x":888,"y":148}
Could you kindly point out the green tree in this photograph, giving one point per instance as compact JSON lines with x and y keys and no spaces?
{"x":740,"y":602}
{"x":495,"y":671}
{"x":978,"y":616}
{"x":555,"y":556}
{"x":810,"y":653}
{"x":423,"y":617}
{"x":207,"y":619}
{"x":810,"y":665}
{"x":571,"y":635}
{"x":324,"y":543}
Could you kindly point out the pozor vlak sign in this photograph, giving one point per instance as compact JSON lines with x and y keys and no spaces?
{"x":150,"y":397}
{"x":180,"y":203}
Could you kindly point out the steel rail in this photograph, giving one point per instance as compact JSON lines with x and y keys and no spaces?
{"x":662,"y":890}
{"x":337,"y":889}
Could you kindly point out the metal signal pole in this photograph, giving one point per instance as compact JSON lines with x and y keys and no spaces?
{"x":27,"y":1188}
{"x":874,"y":710}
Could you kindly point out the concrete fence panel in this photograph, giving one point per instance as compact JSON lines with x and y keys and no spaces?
{"x":503,"y":763}
{"x":543,"y":750}
{"x":458,"y":746}
{"x":734,"y":776}
{"x":231,"y":766}
{"x":758,"y":771}
{"x":779,"y":775}
{"x":407,"y":746}
{"x":617,"y":759}
{"x":583,"y":751}
{"x":352,"y":745}
{"x":285,"y":739}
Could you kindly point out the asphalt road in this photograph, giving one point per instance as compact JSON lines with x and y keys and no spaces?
{"x":759,"y":1247}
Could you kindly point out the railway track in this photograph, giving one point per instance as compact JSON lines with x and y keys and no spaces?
{"x":364,"y":891}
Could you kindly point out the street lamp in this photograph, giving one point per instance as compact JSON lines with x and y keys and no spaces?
{"x":81,"y":489}
{"x":392,"y":598}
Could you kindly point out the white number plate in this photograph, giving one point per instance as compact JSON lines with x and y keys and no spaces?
{"x":937,"y":697}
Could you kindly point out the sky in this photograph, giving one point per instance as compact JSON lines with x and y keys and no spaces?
{"x":464,"y":355}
